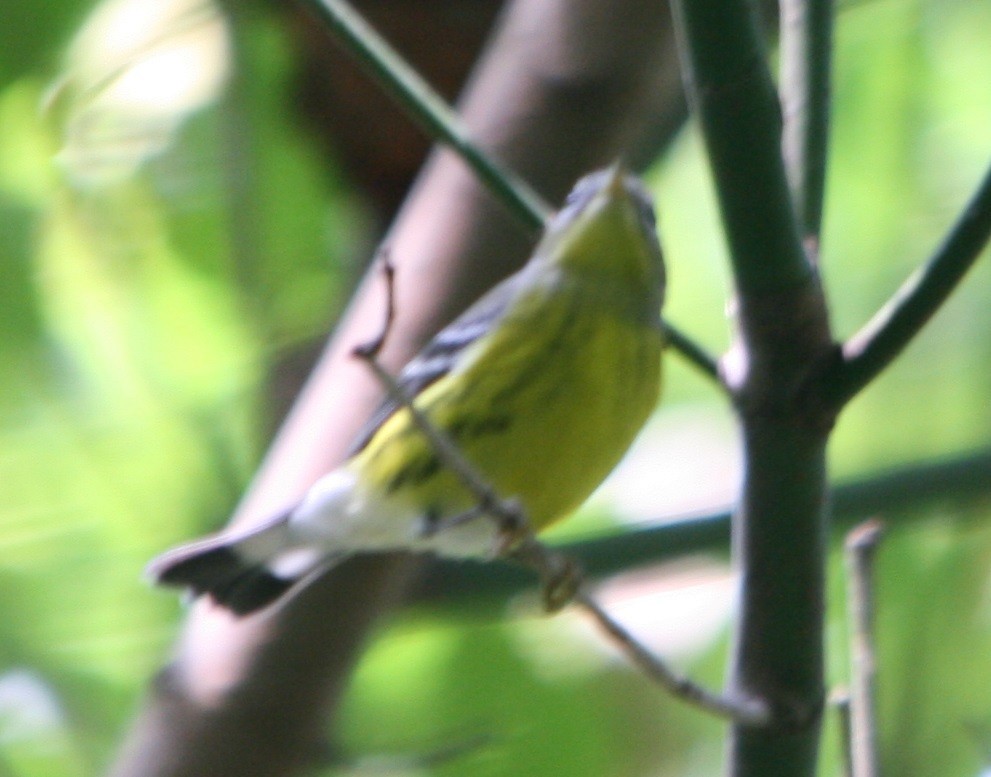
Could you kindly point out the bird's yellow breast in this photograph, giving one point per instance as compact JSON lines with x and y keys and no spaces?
{"x":544,"y":407}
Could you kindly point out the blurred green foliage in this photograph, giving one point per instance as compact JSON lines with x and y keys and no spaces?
{"x":150,"y":280}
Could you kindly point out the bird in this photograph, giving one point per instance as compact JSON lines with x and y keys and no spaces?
{"x":541,"y":386}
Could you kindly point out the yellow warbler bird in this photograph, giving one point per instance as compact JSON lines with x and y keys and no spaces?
{"x":541,"y":385}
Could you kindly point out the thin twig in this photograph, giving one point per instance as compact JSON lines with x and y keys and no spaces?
{"x":861,"y":545}
{"x":840,"y":701}
{"x":869,"y":351}
{"x":564,"y":584}
{"x":561,"y":577}
{"x":374,"y":347}
{"x":694,"y":353}
{"x":427,"y":107}
{"x":752,"y":712}
{"x":806,"y":42}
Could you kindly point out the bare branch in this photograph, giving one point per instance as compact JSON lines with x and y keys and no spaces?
{"x":748,"y":712}
{"x":861,"y":546}
{"x":869,"y":351}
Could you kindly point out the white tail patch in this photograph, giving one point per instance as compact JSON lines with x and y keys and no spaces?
{"x":296,"y":563}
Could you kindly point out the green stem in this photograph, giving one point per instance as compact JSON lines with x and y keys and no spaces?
{"x":901,"y":494}
{"x":417,"y":97}
{"x":779,"y":532}
{"x":693,"y":353}
{"x":731,"y":91}
{"x":806,"y":48}
{"x":869,"y":351}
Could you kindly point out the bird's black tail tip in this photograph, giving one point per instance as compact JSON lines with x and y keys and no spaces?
{"x":215,"y":569}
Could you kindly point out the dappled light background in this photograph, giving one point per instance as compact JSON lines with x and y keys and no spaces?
{"x":171,"y":237}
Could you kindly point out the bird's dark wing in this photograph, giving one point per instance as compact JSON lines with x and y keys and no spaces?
{"x":441,"y":353}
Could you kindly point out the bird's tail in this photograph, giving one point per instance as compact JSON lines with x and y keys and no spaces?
{"x":240,"y":571}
